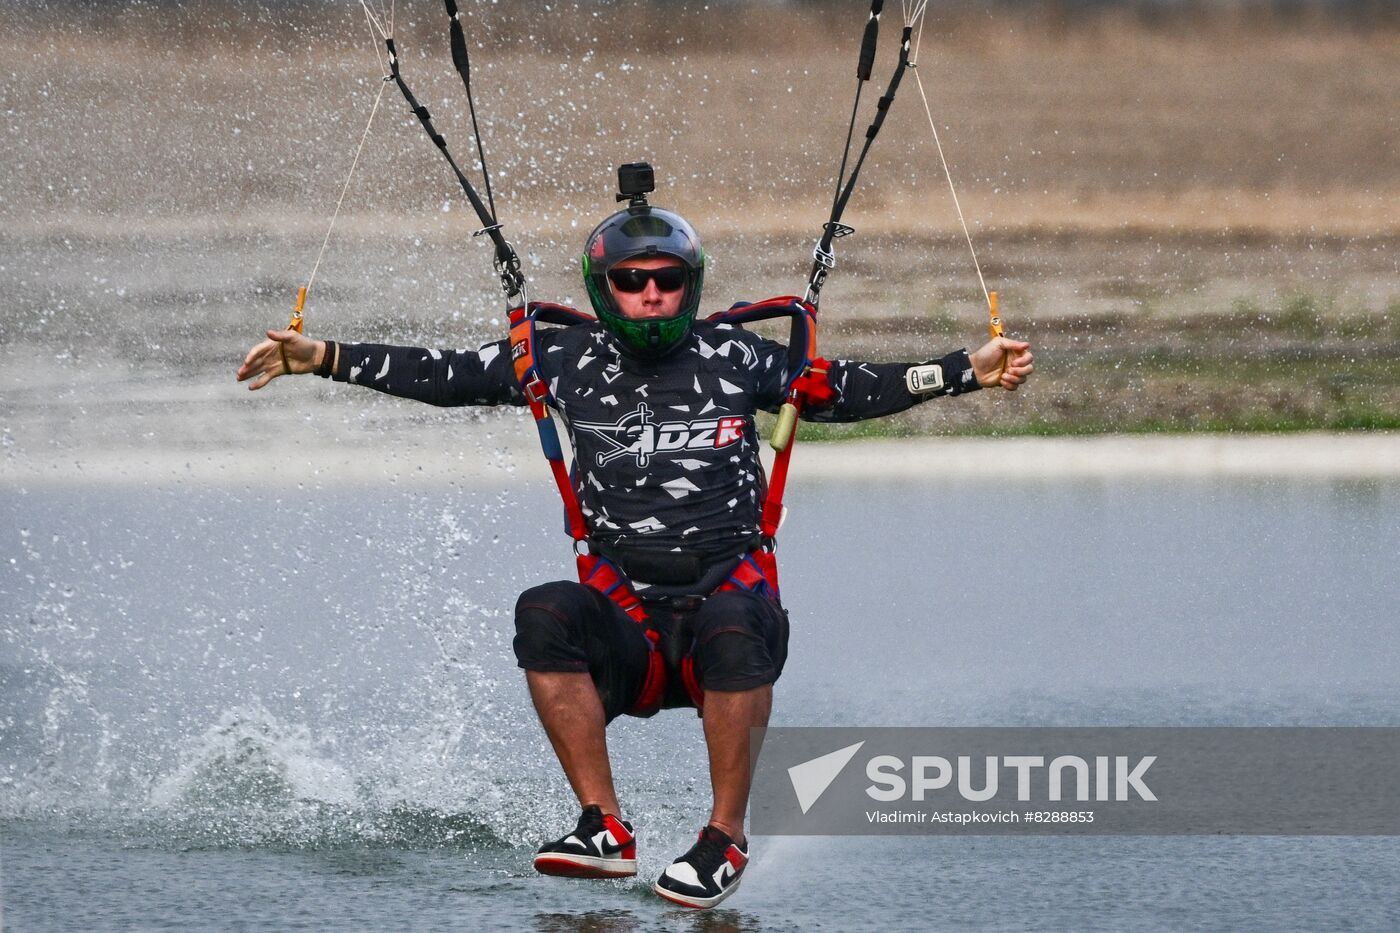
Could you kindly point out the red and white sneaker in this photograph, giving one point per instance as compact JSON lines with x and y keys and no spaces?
{"x":602,"y":846}
{"x":705,"y":875}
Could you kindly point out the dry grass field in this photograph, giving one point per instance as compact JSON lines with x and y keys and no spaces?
{"x":1196,"y":221}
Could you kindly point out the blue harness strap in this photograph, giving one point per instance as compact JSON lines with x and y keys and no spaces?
{"x":802,"y":341}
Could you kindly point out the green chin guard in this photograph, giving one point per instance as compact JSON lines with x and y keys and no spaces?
{"x":653,"y":337}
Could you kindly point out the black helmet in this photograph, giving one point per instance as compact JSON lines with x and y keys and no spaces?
{"x":642,"y":231}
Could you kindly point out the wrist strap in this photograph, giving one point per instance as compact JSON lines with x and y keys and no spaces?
{"x":959,"y":374}
{"x":327,"y":366}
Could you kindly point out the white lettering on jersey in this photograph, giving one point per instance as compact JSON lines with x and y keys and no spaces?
{"x":636,"y":434}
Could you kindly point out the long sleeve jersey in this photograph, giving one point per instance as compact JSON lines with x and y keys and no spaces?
{"x":666,"y":452}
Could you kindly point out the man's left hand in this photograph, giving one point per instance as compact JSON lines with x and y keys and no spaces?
{"x":987,"y":362}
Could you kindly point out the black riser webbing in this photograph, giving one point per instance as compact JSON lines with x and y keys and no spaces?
{"x":507,"y":262}
{"x":462,"y":61}
{"x":867,"y":42}
{"x":829,"y":233}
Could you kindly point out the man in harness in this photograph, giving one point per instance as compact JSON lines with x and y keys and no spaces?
{"x":678,"y":602}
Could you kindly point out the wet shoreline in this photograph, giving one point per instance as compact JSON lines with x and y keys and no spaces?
{"x":508,"y":457}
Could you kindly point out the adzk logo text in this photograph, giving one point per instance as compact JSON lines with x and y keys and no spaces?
{"x":637,"y":434}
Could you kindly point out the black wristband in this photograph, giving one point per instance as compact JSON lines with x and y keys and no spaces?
{"x":327,"y":366}
{"x":958,"y":372}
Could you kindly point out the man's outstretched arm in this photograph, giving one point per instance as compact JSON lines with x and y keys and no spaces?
{"x":438,"y":377}
{"x":874,"y":390}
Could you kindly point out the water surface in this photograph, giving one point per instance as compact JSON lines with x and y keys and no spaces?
{"x":224,"y":707}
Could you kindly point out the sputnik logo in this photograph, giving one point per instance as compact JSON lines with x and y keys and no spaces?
{"x":811,"y":778}
{"x":637,"y":435}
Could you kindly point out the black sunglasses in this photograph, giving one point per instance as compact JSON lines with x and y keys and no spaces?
{"x":631,"y":281}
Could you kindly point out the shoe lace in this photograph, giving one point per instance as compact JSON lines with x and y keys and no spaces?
{"x":589,"y":823}
{"x":708,"y":850}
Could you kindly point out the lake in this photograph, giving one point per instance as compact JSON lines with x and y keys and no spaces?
{"x":295,"y":705}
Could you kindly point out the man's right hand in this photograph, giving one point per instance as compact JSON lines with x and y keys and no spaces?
{"x":265,"y":362}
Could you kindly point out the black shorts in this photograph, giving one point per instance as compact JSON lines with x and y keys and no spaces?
{"x":738,"y":641}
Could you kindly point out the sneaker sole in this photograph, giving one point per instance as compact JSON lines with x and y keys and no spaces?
{"x":561,"y":865}
{"x":698,"y":903}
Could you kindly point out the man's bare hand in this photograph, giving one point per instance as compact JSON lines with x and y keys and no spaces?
{"x":987,"y":363}
{"x":284,"y":352}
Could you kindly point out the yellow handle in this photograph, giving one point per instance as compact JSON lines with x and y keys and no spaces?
{"x":782,"y":431}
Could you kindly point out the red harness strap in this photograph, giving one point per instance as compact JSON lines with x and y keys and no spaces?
{"x":522,"y":354}
{"x":756,"y":573}
{"x":594,"y":570}
{"x":808,"y":382}
{"x":812,"y":386}
{"x":597,"y":572}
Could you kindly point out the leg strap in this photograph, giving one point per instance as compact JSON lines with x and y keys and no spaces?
{"x":756,"y":573}
{"x":597,"y":572}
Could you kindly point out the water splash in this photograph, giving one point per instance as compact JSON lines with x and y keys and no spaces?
{"x":249,"y":758}
{"x":252,"y":780}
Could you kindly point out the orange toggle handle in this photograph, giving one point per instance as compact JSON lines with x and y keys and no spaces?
{"x":994,"y":326}
{"x":297,"y":321}
{"x":297,"y":318}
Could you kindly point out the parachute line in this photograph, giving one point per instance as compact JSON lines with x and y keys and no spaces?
{"x":346,"y":186}
{"x":938,"y":143}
